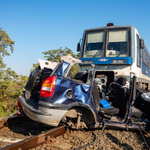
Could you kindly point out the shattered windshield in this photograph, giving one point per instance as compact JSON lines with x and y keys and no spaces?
{"x":117,"y":43}
{"x":94,"y":44}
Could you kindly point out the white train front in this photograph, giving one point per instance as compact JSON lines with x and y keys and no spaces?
{"x":116,"y":51}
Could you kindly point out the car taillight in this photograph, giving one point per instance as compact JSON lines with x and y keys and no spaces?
{"x":48,"y":87}
{"x":19,"y":109}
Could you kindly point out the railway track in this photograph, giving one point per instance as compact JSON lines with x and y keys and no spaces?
{"x":21,"y":132}
{"x":39,"y":136}
{"x":37,"y":140}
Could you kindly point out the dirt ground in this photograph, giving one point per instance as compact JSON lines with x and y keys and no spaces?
{"x":22,"y":130}
{"x":109,"y":140}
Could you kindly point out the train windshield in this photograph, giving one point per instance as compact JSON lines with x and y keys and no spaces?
{"x":108,"y":43}
{"x":117,"y":43}
{"x":94,"y":45}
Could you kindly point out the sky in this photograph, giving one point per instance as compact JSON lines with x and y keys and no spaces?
{"x":37,"y":26}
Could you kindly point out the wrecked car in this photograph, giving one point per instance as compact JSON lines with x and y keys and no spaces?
{"x":52,"y":96}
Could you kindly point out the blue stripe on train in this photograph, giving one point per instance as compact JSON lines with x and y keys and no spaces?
{"x":107,"y":60}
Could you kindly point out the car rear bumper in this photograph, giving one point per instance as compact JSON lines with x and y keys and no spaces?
{"x":47,"y":116}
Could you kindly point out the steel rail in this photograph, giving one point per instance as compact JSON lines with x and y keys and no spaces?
{"x":36,"y":140}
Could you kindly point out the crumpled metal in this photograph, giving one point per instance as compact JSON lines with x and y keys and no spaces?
{"x":81,"y":92}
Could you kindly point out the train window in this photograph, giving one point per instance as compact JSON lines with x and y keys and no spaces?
{"x":145,"y":58}
{"x":138,"y":53}
{"x":117,"y":43}
{"x":94,"y":44}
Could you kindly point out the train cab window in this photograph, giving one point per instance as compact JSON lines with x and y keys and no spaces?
{"x":94,"y":44}
{"x":138,"y":52}
{"x":117,"y":43}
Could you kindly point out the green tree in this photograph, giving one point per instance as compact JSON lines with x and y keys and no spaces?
{"x":5,"y":42}
{"x":2,"y":66}
{"x":55,"y":55}
{"x":10,"y":86}
{"x":10,"y":75}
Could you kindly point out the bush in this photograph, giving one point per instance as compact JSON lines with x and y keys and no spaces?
{"x":9,"y":95}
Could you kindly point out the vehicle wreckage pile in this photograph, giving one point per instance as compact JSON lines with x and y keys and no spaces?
{"x":52,"y":96}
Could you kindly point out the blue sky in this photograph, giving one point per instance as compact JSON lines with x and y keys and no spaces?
{"x":40,"y":25}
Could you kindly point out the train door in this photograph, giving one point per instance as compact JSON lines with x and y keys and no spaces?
{"x":138,"y":56}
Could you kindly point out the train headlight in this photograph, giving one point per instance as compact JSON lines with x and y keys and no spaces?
{"x":87,"y":62}
{"x":118,"y":61}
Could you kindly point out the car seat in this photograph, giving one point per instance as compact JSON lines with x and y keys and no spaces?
{"x":120,"y":98}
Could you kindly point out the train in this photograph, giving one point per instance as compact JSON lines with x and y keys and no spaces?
{"x":116,"y":51}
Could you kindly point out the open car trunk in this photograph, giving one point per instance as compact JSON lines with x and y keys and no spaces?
{"x":36,"y":78}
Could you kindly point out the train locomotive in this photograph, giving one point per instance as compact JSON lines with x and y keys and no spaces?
{"x":116,"y":51}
